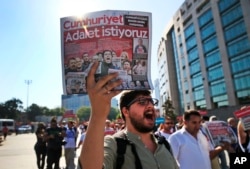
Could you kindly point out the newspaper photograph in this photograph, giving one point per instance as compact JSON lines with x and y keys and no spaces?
{"x":244,"y":115}
{"x":219,"y":132}
{"x":119,"y":40}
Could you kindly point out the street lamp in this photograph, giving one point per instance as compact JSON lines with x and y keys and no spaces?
{"x":28,"y":82}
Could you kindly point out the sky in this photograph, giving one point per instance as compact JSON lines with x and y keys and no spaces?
{"x":30,"y":45}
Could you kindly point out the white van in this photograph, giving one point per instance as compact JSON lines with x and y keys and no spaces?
{"x":10,"y":124}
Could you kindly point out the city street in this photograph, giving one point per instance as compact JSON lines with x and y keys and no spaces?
{"x":17,"y":152}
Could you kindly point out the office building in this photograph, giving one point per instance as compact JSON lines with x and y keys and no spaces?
{"x":204,"y":56}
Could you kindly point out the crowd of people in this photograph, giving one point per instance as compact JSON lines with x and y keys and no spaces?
{"x":190,"y":146}
{"x":136,"y":143}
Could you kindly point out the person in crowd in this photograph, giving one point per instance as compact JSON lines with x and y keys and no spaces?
{"x":108,"y":129}
{"x":5,"y":131}
{"x":138,"y":85}
{"x":166,"y":128}
{"x":86,"y":61}
{"x":243,"y":138}
{"x":107,"y":62}
{"x":82,"y":136}
{"x":70,"y":146}
{"x":222,"y":155}
{"x":40,"y":145}
{"x":72,"y":66}
{"x":190,"y":146}
{"x":215,"y":162}
{"x":126,"y":65}
{"x":146,"y":85}
{"x":179,"y":123}
{"x":137,"y":67}
{"x":54,"y":136}
{"x":131,"y":85}
{"x":140,"y":47}
{"x":138,"y":112}
{"x":124,"y":56}
{"x":231,"y":121}
{"x":79,"y":62}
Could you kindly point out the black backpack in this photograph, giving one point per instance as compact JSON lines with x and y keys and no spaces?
{"x":122,"y":142}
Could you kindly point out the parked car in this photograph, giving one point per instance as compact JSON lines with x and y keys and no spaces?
{"x":24,"y":129}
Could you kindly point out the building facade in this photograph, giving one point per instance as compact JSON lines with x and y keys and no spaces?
{"x":204,"y":56}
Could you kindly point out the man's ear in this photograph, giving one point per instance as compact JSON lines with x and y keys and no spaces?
{"x":125,"y":111}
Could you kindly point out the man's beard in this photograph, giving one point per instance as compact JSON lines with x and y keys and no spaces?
{"x":139,"y":126}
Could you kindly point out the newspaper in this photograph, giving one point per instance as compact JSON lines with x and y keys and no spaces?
{"x":119,"y":40}
{"x":244,"y":115}
{"x":219,"y":132}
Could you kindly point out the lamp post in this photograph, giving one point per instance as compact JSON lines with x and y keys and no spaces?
{"x":28,"y":82}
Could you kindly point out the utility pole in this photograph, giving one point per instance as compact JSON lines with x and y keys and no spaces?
{"x":28,"y":82}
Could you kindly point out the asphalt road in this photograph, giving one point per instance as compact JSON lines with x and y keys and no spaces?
{"x":17,"y":152}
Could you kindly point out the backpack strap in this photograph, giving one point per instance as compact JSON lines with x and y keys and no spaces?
{"x":122,"y":142}
{"x":121,"y":149}
{"x":162,"y":140}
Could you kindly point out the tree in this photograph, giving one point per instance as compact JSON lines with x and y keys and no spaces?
{"x":83,"y":113}
{"x":114,"y":112}
{"x":11,"y":109}
{"x":169,"y":109}
{"x":33,"y":111}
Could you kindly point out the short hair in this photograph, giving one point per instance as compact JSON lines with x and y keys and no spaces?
{"x":104,"y":51}
{"x":188,"y":114}
{"x":128,"y":96}
{"x":53,"y":120}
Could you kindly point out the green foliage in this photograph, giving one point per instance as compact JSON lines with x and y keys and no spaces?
{"x":11,"y":109}
{"x":169,"y":109}
{"x":113,"y":113}
{"x":84,"y":113}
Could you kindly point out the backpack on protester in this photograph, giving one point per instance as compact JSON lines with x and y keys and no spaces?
{"x":122,"y":142}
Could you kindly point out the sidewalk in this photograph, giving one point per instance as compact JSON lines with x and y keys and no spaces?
{"x":17,"y":152}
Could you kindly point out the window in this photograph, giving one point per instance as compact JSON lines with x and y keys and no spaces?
{"x":234,"y":31}
{"x":213,"y":58}
{"x":231,"y":16}
{"x":205,"y":18}
{"x":210,"y":44}
{"x":239,"y":46}
{"x":215,"y":73}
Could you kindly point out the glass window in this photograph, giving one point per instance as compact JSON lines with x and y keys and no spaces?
{"x":197,"y":80}
{"x":191,"y":42}
{"x":195,"y":67}
{"x":242,"y":82}
{"x":215,"y":73}
{"x":207,"y":31}
{"x":235,"y":31}
{"x":199,"y":94}
{"x":241,"y":64}
{"x":239,"y":46}
{"x":225,"y":4}
{"x":218,"y":89}
{"x":210,"y":44}
{"x":189,"y":31}
{"x":193,"y":55}
{"x":231,"y":16}
{"x":205,"y":18}
{"x":213,"y":58}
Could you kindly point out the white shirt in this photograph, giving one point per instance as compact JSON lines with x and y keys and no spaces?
{"x":190,"y":153}
{"x":70,"y":138}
